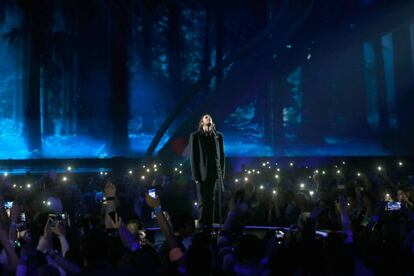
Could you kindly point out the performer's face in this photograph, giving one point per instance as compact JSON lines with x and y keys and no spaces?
{"x":207,"y":119}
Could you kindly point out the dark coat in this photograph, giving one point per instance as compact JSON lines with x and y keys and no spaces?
{"x":198,"y":156}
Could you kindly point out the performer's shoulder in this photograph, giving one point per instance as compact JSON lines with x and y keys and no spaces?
{"x":194,"y":133}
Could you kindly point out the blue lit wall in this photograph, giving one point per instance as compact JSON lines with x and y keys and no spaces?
{"x":312,"y":110}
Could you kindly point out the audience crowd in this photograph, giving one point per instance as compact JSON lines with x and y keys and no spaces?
{"x":334,"y":220}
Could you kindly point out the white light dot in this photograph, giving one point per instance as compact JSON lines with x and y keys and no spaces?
{"x":14,"y":185}
{"x":263,"y":164}
{"x":246,"y":179}
{"x":278,"y":169}
{"x":258,"y":172}
{"x":379,"y":168}
{"x":276,"y":176}
{"x":181,"y":164}
{"x":261,"y":187}
{"x":311,"y":193}
{"x":302,"y":185}
{"x":28,"y":186}
{"x":236,"y":180}
{"x":358,"y":174}
{"x":155,"y":165}
{"x":338,"y":171}
{"x":195,"y":203}
{"x":101,"y":173}
{"x":142,"y":176}
{"x":316,"y":171}
{"x":323,"y":172}
{"x":48,"y":203}
{"x":155,"y":170}
{"x":130,"y":172}
{"x":291,"y":164}
{"x":180,"y":172}
{"x":274,"y":192}
{"x":69,"y":168}
{"x":249,"y":172}
{"x":6,"y":174}
{"x":148,"y":170}
{"x":175,"y":169}
{"x":343,"y":162}
{"x":106,"y":173}
{"x":400,"y":164}
{"x":64,"y":178}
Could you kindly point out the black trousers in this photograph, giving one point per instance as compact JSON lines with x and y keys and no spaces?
{"x":205,"y":195}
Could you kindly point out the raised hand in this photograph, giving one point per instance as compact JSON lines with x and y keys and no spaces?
{"x":47,"y":230}
{"x":59,"y":229}
{"x":114,"y":223}
{"x":117,"y":222}
{"x":152,"y":202}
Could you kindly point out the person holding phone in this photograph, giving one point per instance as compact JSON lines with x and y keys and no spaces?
{"x":204,"y":155}
{"x":403,"y":195}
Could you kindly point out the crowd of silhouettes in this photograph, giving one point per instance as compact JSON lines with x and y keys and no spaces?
{"x":328,"y":221}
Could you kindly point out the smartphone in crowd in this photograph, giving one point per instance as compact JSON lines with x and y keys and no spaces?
{"x":152,"y":193}
{"x":8,"y":204}
{"x":54,"y":218}
{"x":279,"y":234}
{"x":393,"y":206}
{"x":22,"y":217}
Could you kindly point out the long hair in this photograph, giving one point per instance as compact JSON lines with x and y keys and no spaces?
{"x":200,"y":123}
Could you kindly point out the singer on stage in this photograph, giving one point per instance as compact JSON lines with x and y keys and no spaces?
{"x":206,"y":155}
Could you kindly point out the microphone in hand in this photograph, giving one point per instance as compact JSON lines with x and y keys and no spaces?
{"x":213,"y":129}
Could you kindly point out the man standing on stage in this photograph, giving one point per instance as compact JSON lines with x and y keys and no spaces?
{"x":206,"y":152}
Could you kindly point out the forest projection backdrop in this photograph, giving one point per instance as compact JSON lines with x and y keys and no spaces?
{"x":98,"y":78}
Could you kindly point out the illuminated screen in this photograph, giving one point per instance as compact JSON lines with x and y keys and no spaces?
{"x":71,"y":88}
